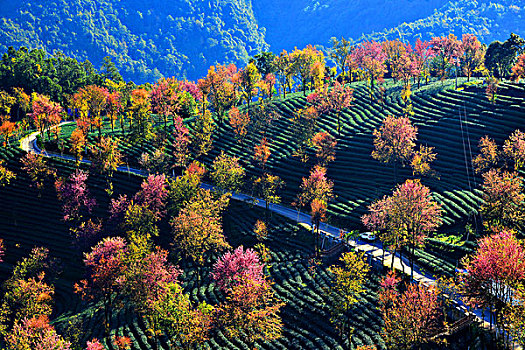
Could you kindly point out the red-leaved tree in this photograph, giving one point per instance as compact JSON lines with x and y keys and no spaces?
{"x":395,"y":141}
{"x":35,"y":333}
{"x":370,"y":58}
{"x":239,"y":121}
{"x":234,"y":268}
{"x":406,"y":217}
{"x":251,"y":307}
{"x":518,"y":70}
{"x":325,"y":147}
{"x":105,"y":264}
{"x":493,"y":271}
{"x":332,"y":101}
{"x":75,"y":197}
{"x":181,"y":142}
{"x":316,"y":186}
{"x":410,"y":318}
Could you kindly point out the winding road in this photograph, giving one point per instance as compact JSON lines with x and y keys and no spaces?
{"x":373,"y":250}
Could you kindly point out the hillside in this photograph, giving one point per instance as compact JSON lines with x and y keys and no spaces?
{"x":147,"y":40}
{"x":489,"y":21}
{"x":358,"y":180}
{"x":303,"y":22}
{"x":304,"y":291}
{"x":314,"y":22}
{"x":144,"y":39}
{"x":447,"y":119}
{"x":451,"y":120}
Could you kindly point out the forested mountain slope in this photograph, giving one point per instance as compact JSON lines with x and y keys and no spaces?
{"x":301,"y":22}
{"x":150,"y":39}
{"x":146,"y":39}
{"x":488,"y":20}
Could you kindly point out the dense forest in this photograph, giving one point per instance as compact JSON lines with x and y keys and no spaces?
{"x":489,"y":21}
{"x":145,"y":39}
{"x":148,"y":40}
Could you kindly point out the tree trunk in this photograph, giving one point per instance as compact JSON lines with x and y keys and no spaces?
{"x":412,"y":263}
{"x":317,"y":236}
{"x":304,"y":87}
{"x":456,"y":76}
{"x":393,"y":259}
{"x":48,"y":131}
{"x":106,"y":315}
{"x":401,"y":260}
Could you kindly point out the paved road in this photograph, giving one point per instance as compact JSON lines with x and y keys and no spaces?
{"x":28,"y":144}
{"x":372,"y":249}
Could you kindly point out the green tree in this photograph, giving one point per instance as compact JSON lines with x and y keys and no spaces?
{"x":340,"y":52}
{"x":500,"y":57}
{"x":349,"y":277}
{"x":188,"y":324}
{"x":227,"y":174}
{"x":265,"y":63}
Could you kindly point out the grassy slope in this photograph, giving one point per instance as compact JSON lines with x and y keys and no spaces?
{"x":359,"y":179}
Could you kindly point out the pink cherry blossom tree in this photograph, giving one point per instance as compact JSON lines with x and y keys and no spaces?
{"x":493,"y":271}
{"x":105,"y":264}
{"x":370,"y":58}
{"x":422,"y":54}
{"x":406,"y":217}
{"x":234,"y":268}
{"x":75,"y":196}
{"x":35,"y":333}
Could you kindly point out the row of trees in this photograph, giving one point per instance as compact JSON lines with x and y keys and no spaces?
{"x":441,"y":56}
{"x":225,"y":86}
{"x":405,"y":218}
{"x":56,"y":76}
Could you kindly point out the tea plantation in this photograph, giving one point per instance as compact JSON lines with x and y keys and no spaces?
{"x":450,"y":120}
